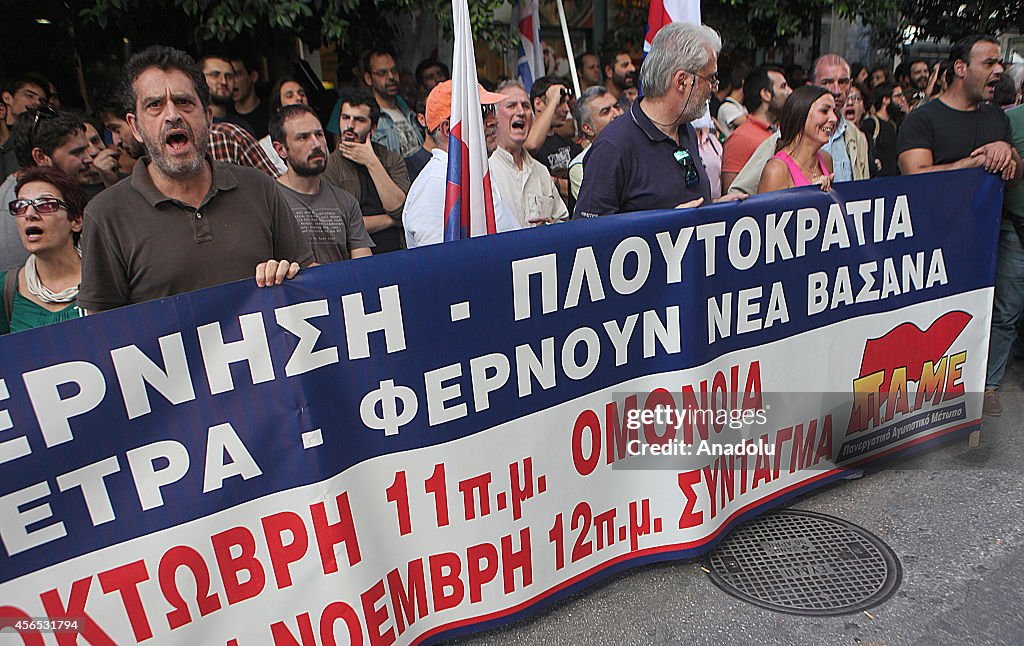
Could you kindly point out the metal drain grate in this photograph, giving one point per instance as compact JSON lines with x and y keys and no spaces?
{"x":805,"y":563}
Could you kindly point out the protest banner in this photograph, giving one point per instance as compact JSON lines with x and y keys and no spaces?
{"x":437,"y":441}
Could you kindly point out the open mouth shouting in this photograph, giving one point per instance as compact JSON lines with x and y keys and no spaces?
{"x":177,"y":140}
{"x":33,"y":233}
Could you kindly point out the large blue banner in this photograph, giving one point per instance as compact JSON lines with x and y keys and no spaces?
{"x":437,"y":440}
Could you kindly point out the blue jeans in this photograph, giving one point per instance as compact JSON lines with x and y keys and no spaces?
{"x":1007,"y":305}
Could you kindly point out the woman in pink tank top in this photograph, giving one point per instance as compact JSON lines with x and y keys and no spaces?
{"x":808,"y":120}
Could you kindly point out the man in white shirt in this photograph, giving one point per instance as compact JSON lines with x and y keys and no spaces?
{"x":424,"y":206}
{"x":523,"y":182}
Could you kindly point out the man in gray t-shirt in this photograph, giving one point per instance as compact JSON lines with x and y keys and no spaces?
{"x":329,"y":217}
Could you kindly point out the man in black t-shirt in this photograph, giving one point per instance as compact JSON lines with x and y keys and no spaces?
{"x":247,"y":102}
{"x":961,"y":130}
{"x":550,"y":98}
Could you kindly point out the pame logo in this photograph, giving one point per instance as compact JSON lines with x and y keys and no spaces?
{"x":907,"y":370}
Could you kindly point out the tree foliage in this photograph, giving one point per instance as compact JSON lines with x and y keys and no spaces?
{"x":953,"y":19}
{"x":350,"y":24}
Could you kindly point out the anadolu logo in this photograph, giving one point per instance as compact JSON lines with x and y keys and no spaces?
{"x":906,"y":355}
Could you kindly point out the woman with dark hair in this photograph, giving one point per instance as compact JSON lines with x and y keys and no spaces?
{"x":49,"y":212}
{"x":287,"y":91}
{"x":808,"y":120}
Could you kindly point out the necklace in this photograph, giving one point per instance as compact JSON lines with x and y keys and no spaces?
{"x":812,"y":172}
{"x":40,"y":291}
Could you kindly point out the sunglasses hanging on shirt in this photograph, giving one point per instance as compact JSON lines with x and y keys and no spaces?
{"x":685,"y":161}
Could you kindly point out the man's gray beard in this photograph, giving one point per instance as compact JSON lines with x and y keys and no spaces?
{"x":184,"y":169}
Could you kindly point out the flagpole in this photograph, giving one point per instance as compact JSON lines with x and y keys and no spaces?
{"x":568,"y":49}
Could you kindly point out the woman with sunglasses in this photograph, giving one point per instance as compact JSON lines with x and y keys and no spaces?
{"x":49,"y":213}
{"x":808,"y":120}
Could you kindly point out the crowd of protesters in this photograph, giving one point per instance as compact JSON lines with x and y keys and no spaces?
{"x":190,"y":176}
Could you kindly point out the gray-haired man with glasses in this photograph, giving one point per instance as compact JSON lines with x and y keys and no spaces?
{"x":649,"y":158}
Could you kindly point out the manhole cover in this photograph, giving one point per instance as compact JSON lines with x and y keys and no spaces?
{"x":804,"y":563}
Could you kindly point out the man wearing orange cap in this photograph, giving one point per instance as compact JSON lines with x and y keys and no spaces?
{"x":424,"y":206}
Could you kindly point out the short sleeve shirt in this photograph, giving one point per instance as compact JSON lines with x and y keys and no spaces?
{"x":951,"y":134}
{"x":331,"y":221}
{"x":632,"y":167}
{"x":730,"y":111}
{"x":139,"y":245}
{"x":556,"y":153}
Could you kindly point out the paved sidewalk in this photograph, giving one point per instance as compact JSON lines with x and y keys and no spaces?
{"x":955,"y":518}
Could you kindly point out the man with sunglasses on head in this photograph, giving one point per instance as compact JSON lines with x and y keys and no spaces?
{"x":649,"y":158}
{"x":44,"y":137}
{"x":22,"y":93}
{"x":424,"y":208}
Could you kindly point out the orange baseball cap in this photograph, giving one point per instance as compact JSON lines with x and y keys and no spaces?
{"x":439,"y":102}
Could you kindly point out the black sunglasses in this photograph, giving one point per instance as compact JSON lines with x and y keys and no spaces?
{"x":42,"y":112}
{"x":685,"y":161}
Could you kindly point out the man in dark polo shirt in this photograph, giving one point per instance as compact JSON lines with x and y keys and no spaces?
{"x":376,"y":176}
{"x":649,"y":158}
{"x":329,"y":216}
{"x":182,"y":221}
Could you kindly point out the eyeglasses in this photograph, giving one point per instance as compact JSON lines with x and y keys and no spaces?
{"x":685,"y":161}
{"x":43,"y":206}
{"x":42,"y":112}
{"x":712,"y":80}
